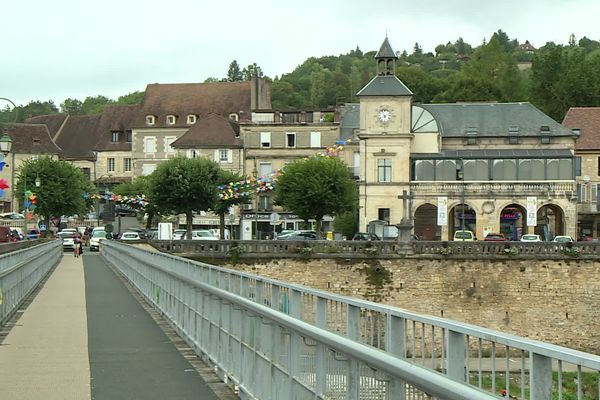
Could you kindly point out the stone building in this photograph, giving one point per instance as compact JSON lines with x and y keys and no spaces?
{"x":484,"y":167}
{"x":586,"y":122}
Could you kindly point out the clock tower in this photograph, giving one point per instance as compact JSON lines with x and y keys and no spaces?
{"x":385,"y":142}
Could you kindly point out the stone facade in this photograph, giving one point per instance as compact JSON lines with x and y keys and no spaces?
{"x":551,"y":301}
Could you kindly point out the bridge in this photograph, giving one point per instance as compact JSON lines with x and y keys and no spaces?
{"x":131,"y":323}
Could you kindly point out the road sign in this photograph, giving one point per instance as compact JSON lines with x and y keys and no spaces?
{"x":274,"y":218}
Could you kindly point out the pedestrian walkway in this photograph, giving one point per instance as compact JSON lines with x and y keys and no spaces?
{"x":85,"y":336}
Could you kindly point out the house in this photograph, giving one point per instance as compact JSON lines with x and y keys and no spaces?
{"x":169,"y":110}
{"x":29,"y":141}
{"x":585,"y":121}
{"x":439,"y":168}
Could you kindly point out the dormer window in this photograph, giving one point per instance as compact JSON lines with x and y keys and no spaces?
{"x":234,"y":117}
{"x":191,"y":119}
{"x":114,"y":137}
{"x":150,"y":120}
{"x":471,"y":135}
{"x":171,"y":120}
{"x":513,"y":135}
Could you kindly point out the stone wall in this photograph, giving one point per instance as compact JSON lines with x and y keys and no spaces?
{"x":552,"y":301}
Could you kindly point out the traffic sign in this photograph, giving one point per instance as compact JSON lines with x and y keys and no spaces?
{"x":274,"y":218}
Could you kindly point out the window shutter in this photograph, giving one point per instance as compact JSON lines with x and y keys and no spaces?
{"x":229,"y":156}
{"x":216,"y":155}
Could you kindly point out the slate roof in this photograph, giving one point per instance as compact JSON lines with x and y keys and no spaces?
{"x":386,"y":51}
{"x":385,"y":85}
{"x":349,"y":120}
{"x":31,"y":139}
{"x":210,"y":131}
{"x":78,"y":137}
{"x":181,"y":99}
{"x":492,"y":119}
{"x":117,"y":118}
{"x":587,"y":120}
{"x":53,"y":122}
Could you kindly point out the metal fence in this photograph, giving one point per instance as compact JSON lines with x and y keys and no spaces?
{"x":21,"y":271}
{"x":274,"y":340}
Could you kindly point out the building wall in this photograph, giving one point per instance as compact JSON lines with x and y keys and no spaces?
{"x":137,"y":147}
{"x":553,"y":301}
{"x":119,"y":171}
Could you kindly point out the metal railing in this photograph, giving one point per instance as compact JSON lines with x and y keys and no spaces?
{"x":21,"y":271}
{"x":275,"y":340}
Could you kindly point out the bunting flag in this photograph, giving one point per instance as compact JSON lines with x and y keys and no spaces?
{"x":3,"y":183}
{"x":136,"y":200}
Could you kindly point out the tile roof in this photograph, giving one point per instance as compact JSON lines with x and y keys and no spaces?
{"x":385,"y":85}
{"x":386,"y":51}
{"x":587,"y":120}
{"x":31,"y":139}
{"x":211,"y":131}
{"x":78,"y":137}
{"x":492,"y":119}
{"x":117,"y":118}
{"x":181,"y":99}
{"x":53,"y":122}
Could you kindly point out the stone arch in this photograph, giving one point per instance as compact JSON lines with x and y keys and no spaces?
{"x":457,"y":219}
{"x":550,"y":221}
{"x":425,"y":222}
{"x":513,"y":221}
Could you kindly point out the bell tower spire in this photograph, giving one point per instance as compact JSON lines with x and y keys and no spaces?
{"x":386,"y":59}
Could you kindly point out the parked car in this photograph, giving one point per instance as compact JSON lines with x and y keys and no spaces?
{"x":300,"y":235}
{"x":34,"y":234}
{"x":201,"y":234}
{"x":12,"y":215}
{"x":130,"y":235}
{"x":495,"y":237}
{"x":98,"y":235}
{"x":19,"y":232}
{"x":178,"y":234}
{"x":68,"y":240}
{"x":563,"y":239}
{"x":464,"y":236}
{"x":365,"y":236}
{"x":530,"y":237}
{"x":125,"y":210}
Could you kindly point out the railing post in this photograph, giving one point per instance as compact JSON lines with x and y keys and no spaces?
{"x":321,"y":370}
{"x":456,"y":356}
{"x":295,"y":342}
{"x":353,"y":333}
{"x":541,"y":377}
{"x":396,"y":344}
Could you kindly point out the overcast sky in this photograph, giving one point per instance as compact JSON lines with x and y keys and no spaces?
{"x":52,"y":50}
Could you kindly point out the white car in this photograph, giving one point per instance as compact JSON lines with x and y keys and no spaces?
{"x":203,"y":234}
{"x":98,"y":235}
{"x":563,"y":239}
{"x":178,"y":234}
{"x":530,"y":237}
{"x":130,"y":236}
{"x":68,"y":240}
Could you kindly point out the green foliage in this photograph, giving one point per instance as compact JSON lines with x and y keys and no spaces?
{"x":131,"y":98}
{"x":234,"y":253}
{"x":234,"y":74}
{"x":71,"y":107}
{"x":32,"y":109}
{"x":222,"y":206}
{"x":347,"y":222}
{"x":62,"y":187}
{"x":314,"y":187}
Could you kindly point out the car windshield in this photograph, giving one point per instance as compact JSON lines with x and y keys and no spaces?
{"x":203,"y":234}
{"x":130,"y":235}
{"x":98,"y":234}
{"x":64,"y":235}
{"x":529,"y":237}
{"x":463,"y":235}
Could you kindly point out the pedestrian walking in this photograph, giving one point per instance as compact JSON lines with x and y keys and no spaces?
{"x":77,"y":243}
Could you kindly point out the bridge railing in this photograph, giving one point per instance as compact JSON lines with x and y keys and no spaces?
{"x":279,"y":340}
{"x":21,"y":271}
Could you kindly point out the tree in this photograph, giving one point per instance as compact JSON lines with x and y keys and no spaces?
{"x":234,"y":74}
{"x":223,"y":204}
{"x":61,"y":191}
{"x":185,"y":185}
{"x":71,"y":107}
{"x":95,"y":104}
{"x":131,"y":98}
{"x":139,"y":186}
{"x":250,"y":71}
{"x":315,"y":187}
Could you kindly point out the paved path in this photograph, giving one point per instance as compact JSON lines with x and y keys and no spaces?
{"x":85,"y":336}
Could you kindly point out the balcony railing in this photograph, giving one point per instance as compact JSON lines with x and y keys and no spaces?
{"x":498,"y":188}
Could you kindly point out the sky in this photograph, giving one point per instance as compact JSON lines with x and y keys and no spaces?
{"x":53,"y":50}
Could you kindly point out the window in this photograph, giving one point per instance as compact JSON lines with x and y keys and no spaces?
{"x":445,"y":170}
{"x":266,"y":169}
{"x":265,"y":203}
{"x":513,"y":140}
{"x":384,"y":170}
{"x":383,"y":214}
{"x":476,"y":170}
{"x":504,"y":170}
{"x":150,"y":144}
{"x":290,"y":140}
{"x":129,"y":136}
{"x":581,"y":193}
{"x":424,"y":170}
{"x":532,"y":170}
{"x":577,"y":166}
{"x":594,"y":193}
{"x":561,"y":169}
{"x":115,"y":137}
{"x":356,"y":167}
{"x":111,"y":165}
{"x":86,"y":173}
{"x":191,"y":119}
{"x":150,"y":119}
{"x":265,"y":140}
{"x":545,"y":139}
{"x":168,"y":142}
{"x":193,"y":154}
{"x":171,"y":119}
{"x":315,"y":139}
{"x":224,"y":156}
{"x":598,"y":166}
{"x":127,"y":164}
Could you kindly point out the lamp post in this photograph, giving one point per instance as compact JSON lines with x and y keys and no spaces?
{"x":460,"y":175}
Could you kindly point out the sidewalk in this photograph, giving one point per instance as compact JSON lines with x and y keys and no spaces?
{"x":45,"y":355}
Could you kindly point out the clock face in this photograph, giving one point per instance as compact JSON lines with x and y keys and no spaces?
{"x":384,"y":115}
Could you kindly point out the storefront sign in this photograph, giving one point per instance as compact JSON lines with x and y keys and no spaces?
{"x":442,"y":209}
{"x":531,"y":211}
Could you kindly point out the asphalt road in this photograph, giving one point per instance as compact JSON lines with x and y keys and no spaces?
{"x":130,"y":356}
